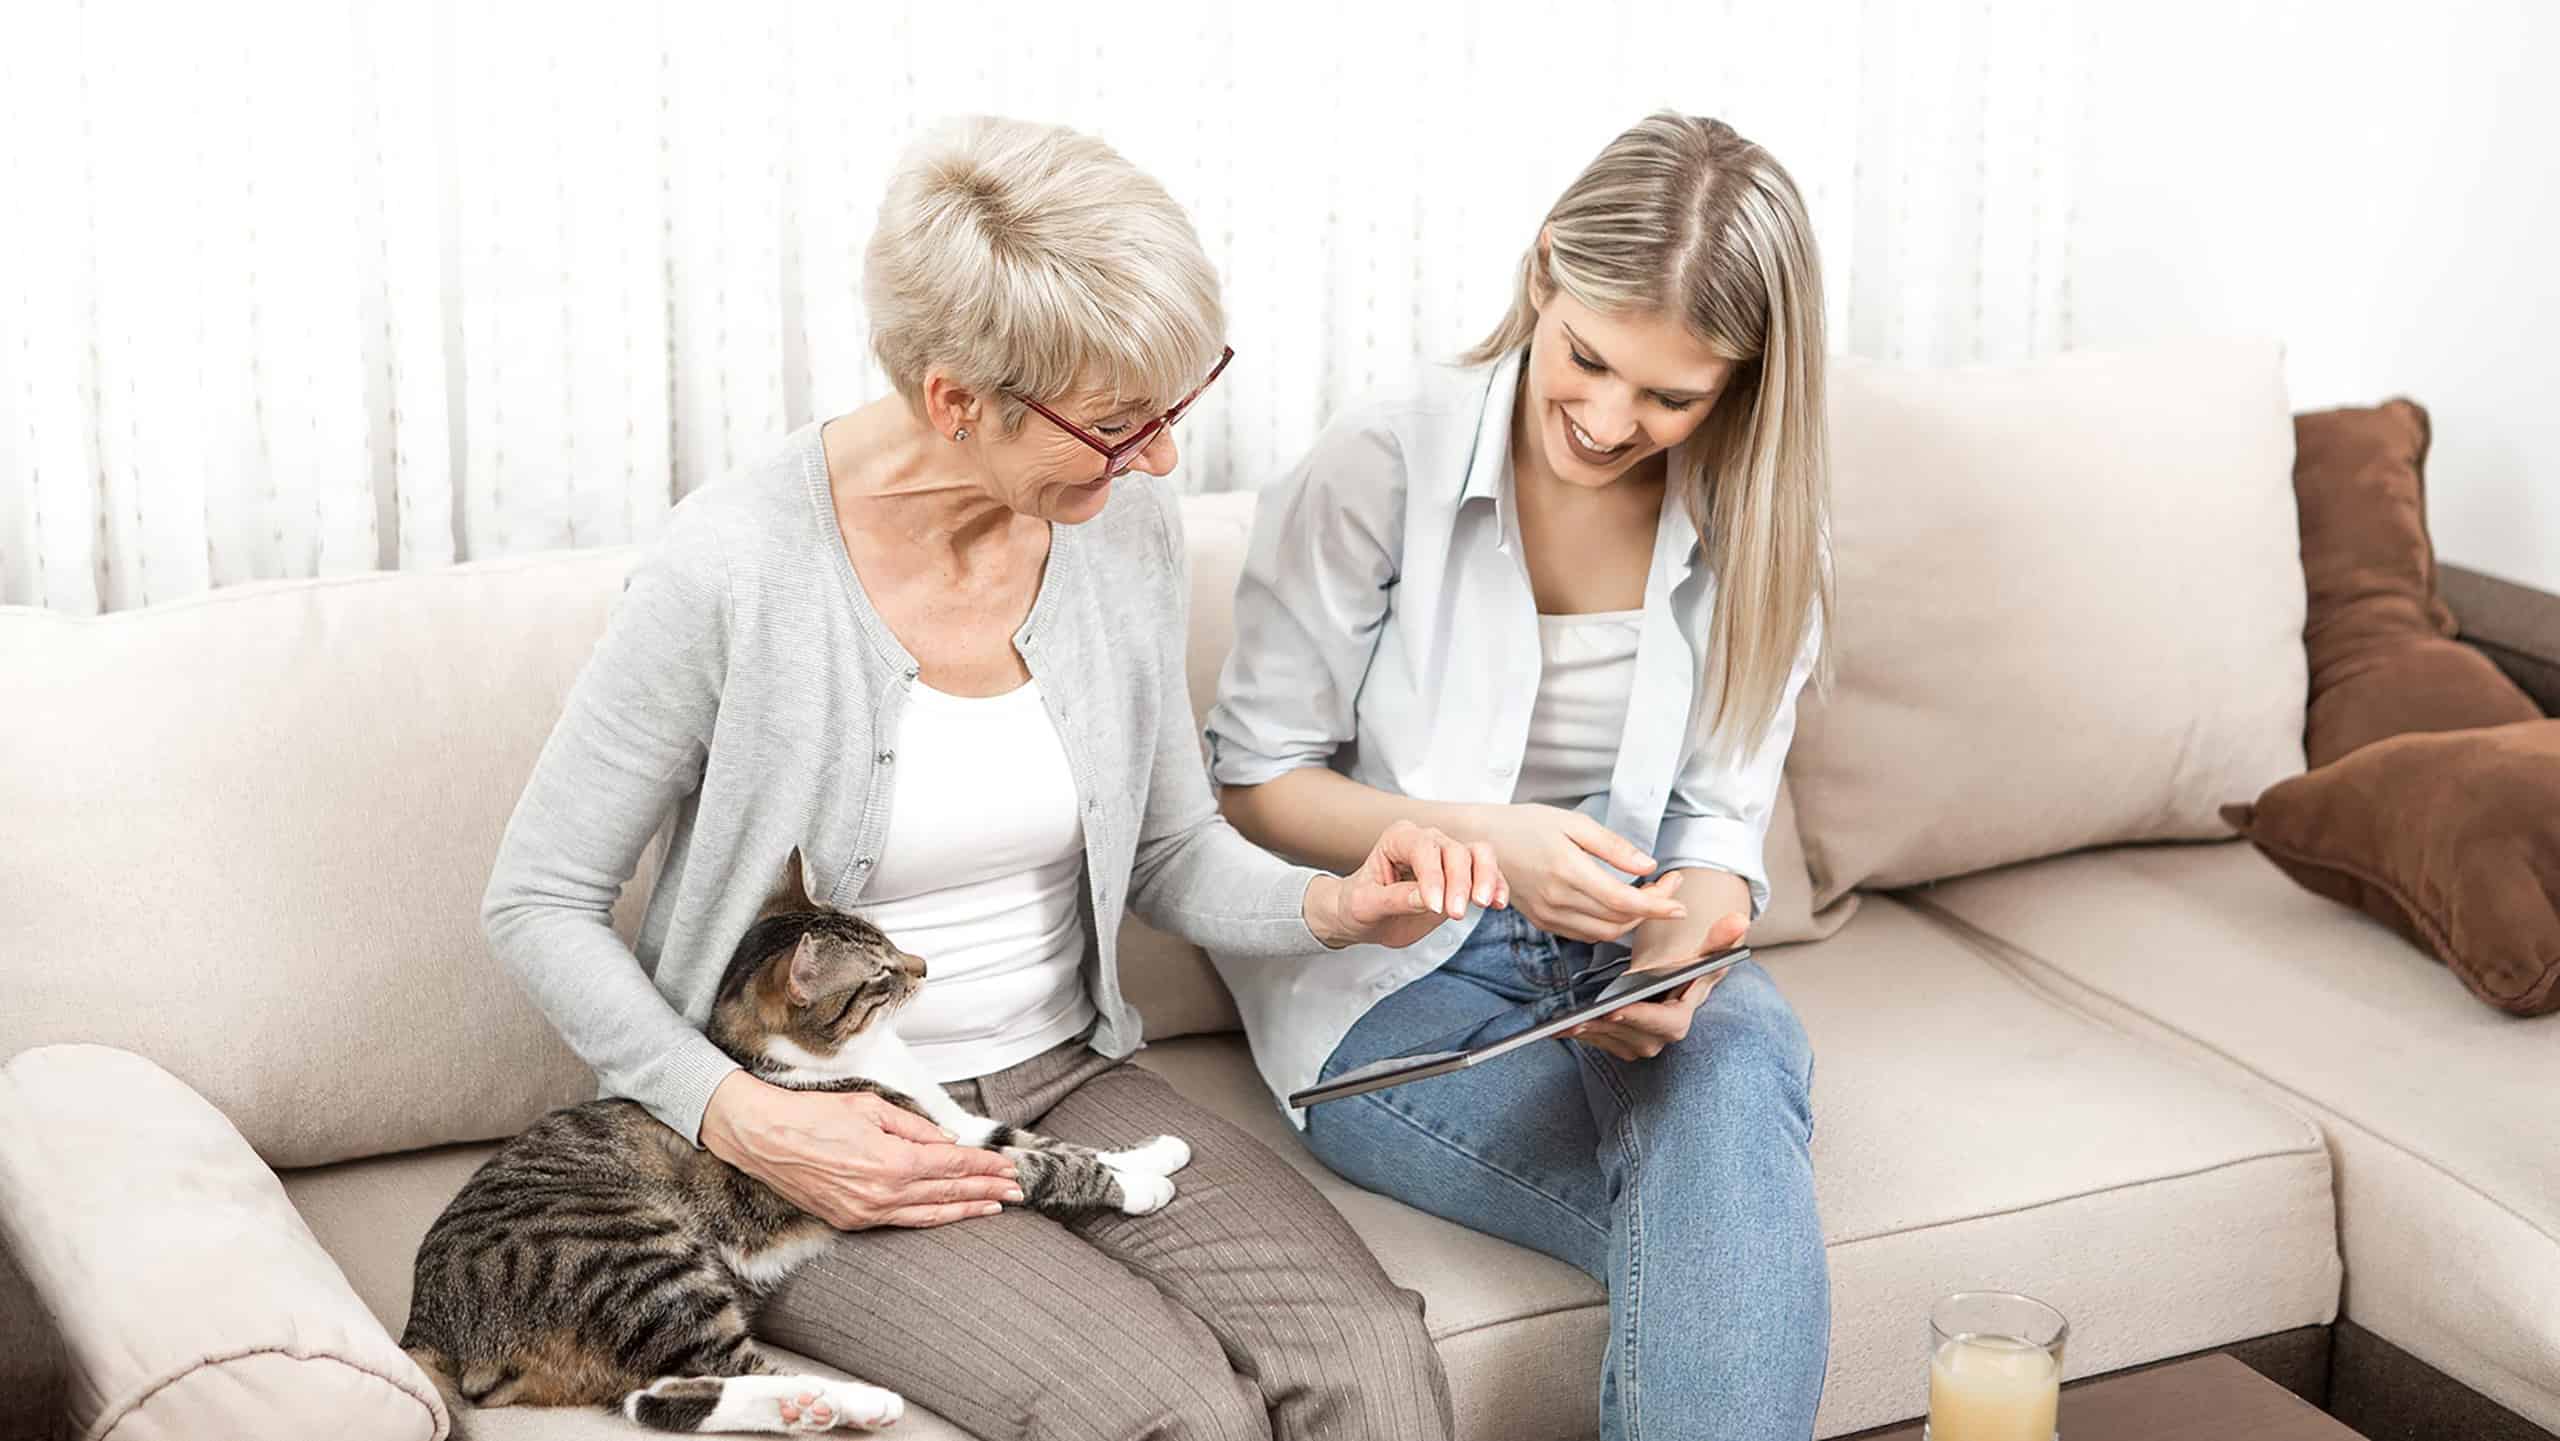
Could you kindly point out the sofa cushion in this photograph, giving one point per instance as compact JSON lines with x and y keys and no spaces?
{"x":2070,"y":610}
{"x":2164,"y":1212}
{"x":2436,"y":1109}
{"x":194,"y":1300}
{"x":254,"y":848}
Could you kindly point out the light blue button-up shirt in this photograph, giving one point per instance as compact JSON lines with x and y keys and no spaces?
{"x":1385,"y":627}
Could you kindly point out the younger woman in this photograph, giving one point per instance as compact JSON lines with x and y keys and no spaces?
{"x":1560,"y":605}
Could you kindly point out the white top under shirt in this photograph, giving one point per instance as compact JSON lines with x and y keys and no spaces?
{"x":981,"y":873}
{"x":1587,"y":672}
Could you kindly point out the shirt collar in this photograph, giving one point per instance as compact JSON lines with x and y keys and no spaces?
{"x":1489,"y":466}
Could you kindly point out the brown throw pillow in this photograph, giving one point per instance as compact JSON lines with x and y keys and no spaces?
{"x":2451,"y":839}
{"x":2379,"y":639}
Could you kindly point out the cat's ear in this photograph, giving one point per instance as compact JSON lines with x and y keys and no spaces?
{"x":802,"y":982}
{"x":793,"y":897}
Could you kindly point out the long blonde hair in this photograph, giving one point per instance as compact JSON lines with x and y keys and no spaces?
{"x":1682,"y":217}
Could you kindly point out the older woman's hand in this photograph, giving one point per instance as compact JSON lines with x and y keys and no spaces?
{"x":852,"y":1159}
{"x":1415,"y":878}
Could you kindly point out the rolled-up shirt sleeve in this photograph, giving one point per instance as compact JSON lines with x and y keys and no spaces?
{"x":1719,"y":813}
{"x":1310,"y":605}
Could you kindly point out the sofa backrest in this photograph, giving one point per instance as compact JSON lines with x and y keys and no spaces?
{"x":246,"y":837}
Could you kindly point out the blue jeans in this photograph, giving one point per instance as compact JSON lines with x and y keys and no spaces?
{"x":1683,"y":1183}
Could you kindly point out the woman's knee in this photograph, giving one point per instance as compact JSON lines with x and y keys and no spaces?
{"x":1746,"y":1019}
{"x":1380,"y":1374}
{"x":1163,"y":1393}
{"x":1746,"y":1058}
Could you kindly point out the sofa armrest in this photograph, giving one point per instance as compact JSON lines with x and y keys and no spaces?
{"x":189,"y":1297}
{"x":30,"y":1359}
{"x":2514,"y":625}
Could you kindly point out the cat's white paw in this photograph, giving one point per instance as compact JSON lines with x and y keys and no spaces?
{"x":772,"y":1404}
{"x":1160,"y":1157}
{"x":826,"y":1405}
{"x":1140,"y":1194}
{"x":863,"y":1406}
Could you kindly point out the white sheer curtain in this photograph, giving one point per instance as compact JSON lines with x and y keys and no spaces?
{"x":306,"y":289}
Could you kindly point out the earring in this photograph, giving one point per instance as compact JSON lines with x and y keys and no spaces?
{"x":961,"y":434}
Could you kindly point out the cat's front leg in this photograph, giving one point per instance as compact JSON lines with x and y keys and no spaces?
{"x":1064,"y":1179}
{"x":1160,"y":1157}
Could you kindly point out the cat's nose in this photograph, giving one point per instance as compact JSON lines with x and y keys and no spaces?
{"x":912,"y":965}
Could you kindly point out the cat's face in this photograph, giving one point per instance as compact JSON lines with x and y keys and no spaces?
{"x":839,"y":979}
{"x":811,"y":976}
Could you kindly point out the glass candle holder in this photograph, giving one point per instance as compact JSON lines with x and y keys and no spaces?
{"x":1995,"y":1368}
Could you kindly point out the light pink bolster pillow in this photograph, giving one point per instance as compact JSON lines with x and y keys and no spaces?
{"x":192,"y":1300}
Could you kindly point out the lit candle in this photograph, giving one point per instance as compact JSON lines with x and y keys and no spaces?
{"x":1992,"y":1388}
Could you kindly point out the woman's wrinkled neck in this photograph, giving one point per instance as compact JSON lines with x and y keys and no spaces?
{"x":892,"y":479}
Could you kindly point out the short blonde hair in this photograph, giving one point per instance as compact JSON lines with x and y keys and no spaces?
{"x":1027,"y":259}
{"x":1681,"y":217}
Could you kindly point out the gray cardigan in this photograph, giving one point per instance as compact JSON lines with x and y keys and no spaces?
{"x":745,"y":684}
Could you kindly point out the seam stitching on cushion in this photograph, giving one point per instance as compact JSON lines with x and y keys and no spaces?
{"x":107,"y":1423}
{"x":2033,"y":973}
{"x":2320,"y":1151}
{"x":1575,"y":1309}
{"x":2017,"y":959}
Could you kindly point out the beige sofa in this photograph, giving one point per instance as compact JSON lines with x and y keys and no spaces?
{"x":246,"y":836}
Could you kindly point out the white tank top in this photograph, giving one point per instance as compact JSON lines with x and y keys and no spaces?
{"x":1587,"y":670}
{"x":981,"y":874}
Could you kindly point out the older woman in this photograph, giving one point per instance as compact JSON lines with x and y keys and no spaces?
{"x":937,"y":644}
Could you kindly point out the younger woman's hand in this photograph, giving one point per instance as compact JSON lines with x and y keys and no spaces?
{"x":1414,"y":879}
{"x":1552,"y":858}
{"x":1642,"y":1031}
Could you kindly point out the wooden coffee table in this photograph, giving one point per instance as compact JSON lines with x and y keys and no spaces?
{"x":2211,"y":1398}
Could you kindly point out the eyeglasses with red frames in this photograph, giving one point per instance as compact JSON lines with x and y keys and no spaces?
{"x":1118,"y":456}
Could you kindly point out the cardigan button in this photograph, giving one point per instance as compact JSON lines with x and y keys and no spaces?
{"x":863,"y":864}
{"x":887,"y":756}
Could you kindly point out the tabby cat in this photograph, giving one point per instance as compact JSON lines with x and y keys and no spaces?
{"x":600,"y":1258}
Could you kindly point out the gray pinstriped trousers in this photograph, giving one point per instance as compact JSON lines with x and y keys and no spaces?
{"x":1245,"y":1309}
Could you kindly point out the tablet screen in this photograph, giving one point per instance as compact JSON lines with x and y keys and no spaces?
{"x":1625,"y":991}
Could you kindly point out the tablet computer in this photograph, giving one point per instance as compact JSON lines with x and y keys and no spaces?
{"x":1626,"y":991}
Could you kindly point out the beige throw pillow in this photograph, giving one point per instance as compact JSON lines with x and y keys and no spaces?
{"x":192,"y":1299}
{"x":2070,"y":610}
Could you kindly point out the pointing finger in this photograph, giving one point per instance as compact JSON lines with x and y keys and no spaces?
{"x":1608,"y":845}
